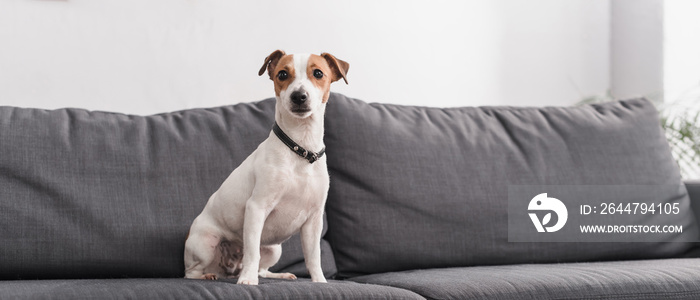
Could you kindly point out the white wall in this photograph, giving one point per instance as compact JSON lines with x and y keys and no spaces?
{"x":682,"y":50}
{"x":153,"y":56}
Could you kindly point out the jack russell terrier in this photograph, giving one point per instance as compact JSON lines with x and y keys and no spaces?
{"x":279,"y":190}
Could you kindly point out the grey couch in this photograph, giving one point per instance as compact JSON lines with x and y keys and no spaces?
{"x":97,"y":205}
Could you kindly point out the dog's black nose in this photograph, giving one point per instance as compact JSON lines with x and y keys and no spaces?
{"x":298,"y":97}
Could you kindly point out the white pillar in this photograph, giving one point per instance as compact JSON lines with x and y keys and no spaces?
{"x":636,"y":46}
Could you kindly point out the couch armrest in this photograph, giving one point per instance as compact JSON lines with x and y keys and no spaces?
{"x":693,"y":187}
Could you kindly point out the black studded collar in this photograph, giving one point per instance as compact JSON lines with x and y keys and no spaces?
{"x":299,"y":150}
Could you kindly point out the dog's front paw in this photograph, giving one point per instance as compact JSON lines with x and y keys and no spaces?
{"x":248,"y":281}
{"x":321,"y":280}
{"x":289,"y":276}
{"x":266,"y":274}
{"x":210,"y":276}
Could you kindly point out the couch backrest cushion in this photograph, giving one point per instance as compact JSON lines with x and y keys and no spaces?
{"x":418,"y":187}
{"x":93,"y":194}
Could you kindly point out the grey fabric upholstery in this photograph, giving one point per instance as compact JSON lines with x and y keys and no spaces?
{"x":694,"y":194}
{"x":419,"y":187}
{"x":195,"y":289}
{"x":651,"y":279}
{"x":93,"y":194}
{"x":693,"y":187}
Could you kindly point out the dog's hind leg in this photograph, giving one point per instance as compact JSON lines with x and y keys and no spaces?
{"x":200,"y":253}
{"x":269,"y":255}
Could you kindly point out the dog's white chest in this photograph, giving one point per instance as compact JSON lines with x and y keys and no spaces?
{"x":304,"y":195}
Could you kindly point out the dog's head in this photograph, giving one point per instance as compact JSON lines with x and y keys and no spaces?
{"x":303,"y":81}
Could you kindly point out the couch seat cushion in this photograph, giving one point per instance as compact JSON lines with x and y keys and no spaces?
{"x":195,"y":289}
{"x":640,"y":279}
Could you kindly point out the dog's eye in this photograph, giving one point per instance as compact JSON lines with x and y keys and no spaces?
{"x":282,"y":75}
{"x":318,"y":74}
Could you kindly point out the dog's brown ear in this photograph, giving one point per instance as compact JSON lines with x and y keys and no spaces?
{"x":339,"y":67}
{"x":271,"y":62}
